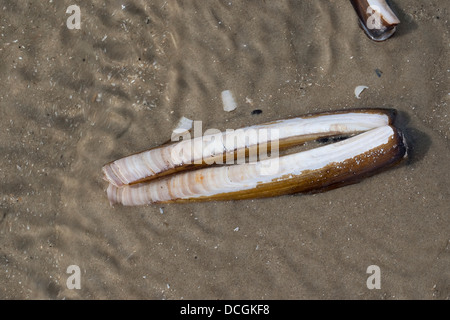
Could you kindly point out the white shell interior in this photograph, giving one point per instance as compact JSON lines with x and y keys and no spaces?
{"x":385,"y":10}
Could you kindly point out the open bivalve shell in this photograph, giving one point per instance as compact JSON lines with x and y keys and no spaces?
{"x":211,"y":168}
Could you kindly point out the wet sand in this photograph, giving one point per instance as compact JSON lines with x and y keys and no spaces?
{"x":73,"y":100}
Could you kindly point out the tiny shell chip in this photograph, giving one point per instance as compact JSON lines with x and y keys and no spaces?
{"x":359,"y":89}
{"x":228,"y":101}
{"x":183,"y":125}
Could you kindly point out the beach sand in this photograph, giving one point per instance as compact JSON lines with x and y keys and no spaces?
{"x":72,"y":100}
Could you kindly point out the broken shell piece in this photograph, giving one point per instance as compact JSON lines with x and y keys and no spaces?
{"x":376,"y":18}
{"x":228,"y":101}
{"x":183,"y":125}
{"x":360,"y":89}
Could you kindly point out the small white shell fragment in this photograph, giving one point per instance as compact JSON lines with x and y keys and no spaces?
{"x":228,"y":101}
{"x":359,"y":89}
{"x":184,"y":124}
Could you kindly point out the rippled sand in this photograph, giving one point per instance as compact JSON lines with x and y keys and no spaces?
{"x":72,"y":100}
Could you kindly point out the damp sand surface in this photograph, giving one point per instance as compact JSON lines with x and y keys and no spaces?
{"x":73,"y":100}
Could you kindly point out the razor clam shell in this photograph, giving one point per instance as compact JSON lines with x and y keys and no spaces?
{"x":305,"y":171}
{"x":175,"y":157}
{"x":388,"y":19}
